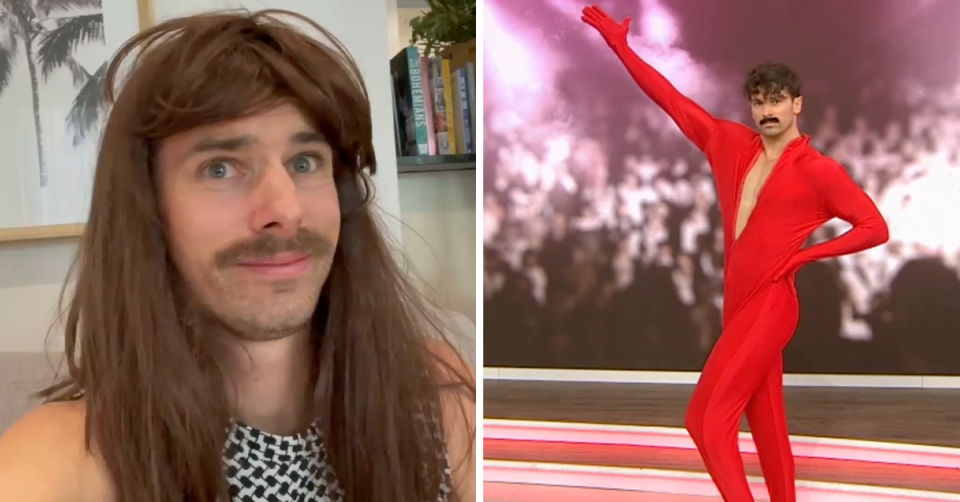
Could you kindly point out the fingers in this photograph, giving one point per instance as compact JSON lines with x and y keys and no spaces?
{"x":626,"y":24}
{"x":599,"y":11}
{"x":591,"y":21}
{"x":595,"y":13}
{"x":591,"y":15}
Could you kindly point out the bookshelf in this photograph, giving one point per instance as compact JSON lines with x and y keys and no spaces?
{"x":453,"y":83}
{"x":436,"y":163}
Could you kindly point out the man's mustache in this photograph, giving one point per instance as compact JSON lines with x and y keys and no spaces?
{"x":768,"y":120}
{"x":269,"y":245}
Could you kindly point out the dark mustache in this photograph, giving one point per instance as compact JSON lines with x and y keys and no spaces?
{"x":268,"y":245}
{"x":767,"y":120}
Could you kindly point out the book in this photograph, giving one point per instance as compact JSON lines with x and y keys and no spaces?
{"x":413,"y":133}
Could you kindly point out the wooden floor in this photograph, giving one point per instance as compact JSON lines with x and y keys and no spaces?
{"x":929,"y":416}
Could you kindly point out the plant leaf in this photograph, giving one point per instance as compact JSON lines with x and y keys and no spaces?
{"x":57,"y":45}
{"x":47,"y":6}
{"x":7,"y":60}
{"x":87,"y":105}
{"x":446,"y":23}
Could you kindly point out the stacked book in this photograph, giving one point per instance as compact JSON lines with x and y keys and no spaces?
{"x":434,"y":104}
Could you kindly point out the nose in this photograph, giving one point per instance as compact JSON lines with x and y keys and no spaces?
{"x":277,"y":204}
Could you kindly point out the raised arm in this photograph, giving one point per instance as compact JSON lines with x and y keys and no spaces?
{"x":695,"y":123}
{"x":840,"y":197}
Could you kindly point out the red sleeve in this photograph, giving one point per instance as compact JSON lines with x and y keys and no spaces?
{"x":840,"y":197}
{"x":694,"y":121}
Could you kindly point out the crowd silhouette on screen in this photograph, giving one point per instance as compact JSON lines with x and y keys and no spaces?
{"x":595,"y":265}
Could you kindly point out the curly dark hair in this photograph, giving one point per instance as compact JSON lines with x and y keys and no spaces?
{"x":771,"y":79}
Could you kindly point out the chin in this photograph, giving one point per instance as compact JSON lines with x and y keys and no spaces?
{"x":771,"y":132}
{"x":270,"y":325}
{"x":266,"y":315}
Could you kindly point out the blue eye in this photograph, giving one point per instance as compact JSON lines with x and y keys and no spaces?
{"x":218,"y":169}
{"x":303,"y":164}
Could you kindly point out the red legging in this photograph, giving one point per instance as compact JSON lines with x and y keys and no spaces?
{"x":745,"y":373}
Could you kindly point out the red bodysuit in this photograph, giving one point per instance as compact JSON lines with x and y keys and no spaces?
{"x":744,"y":372}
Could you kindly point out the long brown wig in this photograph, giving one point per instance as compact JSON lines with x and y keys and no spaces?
{"x":156,"y":412}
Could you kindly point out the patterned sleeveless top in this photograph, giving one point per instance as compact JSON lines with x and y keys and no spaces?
{"x":263,"y":467}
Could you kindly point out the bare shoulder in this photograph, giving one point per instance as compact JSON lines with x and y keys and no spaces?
{"x":458,"y":381}
{"x":453,"y":368}
{"x":43,"y":458}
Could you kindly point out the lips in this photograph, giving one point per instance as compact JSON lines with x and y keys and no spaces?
{"x":282,"y":266}
{"x":279,"y":260}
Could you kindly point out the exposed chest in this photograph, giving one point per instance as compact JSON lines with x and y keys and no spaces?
{"x":756,"y":177}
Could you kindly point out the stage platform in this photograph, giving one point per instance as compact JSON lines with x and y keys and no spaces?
{"x":851,"y":444}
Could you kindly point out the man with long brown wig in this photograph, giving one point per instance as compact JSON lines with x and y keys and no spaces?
{"x":239,"y":328}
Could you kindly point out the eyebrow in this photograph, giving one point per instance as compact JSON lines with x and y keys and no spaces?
{"x":305,"y":137}
{"x":235,"y":143}
{"x":222,"y":144}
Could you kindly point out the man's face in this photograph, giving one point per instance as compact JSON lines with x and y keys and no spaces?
{"x":253,"y":219}
{"x":774,"y":112}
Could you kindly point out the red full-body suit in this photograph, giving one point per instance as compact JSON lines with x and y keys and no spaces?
{"x":744,"y":372}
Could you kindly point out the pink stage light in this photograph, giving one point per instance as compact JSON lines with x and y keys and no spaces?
{"x":695,"y":484}
{"x":668,"y":437}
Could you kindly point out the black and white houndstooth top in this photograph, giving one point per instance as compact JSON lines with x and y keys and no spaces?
{"x":262,"y":467}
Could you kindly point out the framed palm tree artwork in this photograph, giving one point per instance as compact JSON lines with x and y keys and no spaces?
{"x":53,"y":55}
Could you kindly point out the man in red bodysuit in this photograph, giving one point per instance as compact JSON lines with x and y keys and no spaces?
{"x":774,"y":190}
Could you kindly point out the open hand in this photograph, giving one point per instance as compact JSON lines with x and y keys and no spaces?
{"x":613,"y":32}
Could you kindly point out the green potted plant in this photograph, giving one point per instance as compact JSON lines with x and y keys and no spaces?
{"x":448,"y":29}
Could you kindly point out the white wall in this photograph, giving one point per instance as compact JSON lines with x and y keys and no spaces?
{"x":31,"y":276}
{"x":402,"y":25}
{"x":439,"y":234}
{"x":439,"y":207}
